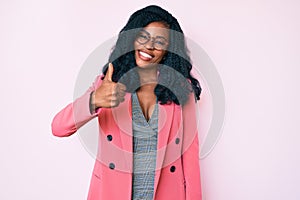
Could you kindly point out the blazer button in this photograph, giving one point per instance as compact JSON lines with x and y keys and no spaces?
{"x":172,"y":169}
{"x":109,"y":137}
{"x":177,"y":140}
{"x":111,"y":166}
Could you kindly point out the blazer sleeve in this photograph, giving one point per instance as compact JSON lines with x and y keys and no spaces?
{"x":190,"y":156}
{"x":76,"y":114}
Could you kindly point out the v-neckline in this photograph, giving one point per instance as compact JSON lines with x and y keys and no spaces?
{"x":141,"y":111}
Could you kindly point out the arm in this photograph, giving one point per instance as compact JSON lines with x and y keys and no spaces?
{"x":190,"y":157}
{"x":75,"y":114}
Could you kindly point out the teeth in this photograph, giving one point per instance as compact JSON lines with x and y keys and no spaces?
{"x":145,"y":54}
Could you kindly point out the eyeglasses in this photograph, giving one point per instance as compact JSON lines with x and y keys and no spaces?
{"x":158,"y":42}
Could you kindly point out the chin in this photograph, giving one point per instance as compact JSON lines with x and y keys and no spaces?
{"x":145,"y":65}
{"x":142,"y":64}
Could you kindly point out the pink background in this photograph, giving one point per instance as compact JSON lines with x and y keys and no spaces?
{"x":254,"y":45}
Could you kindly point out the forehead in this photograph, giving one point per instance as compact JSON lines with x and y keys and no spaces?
{"x":157,"y":29}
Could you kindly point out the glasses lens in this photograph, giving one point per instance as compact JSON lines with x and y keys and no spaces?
{"x":160,"y":43}
{"x":142,"y":38}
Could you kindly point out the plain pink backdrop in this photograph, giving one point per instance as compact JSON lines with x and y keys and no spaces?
{"x":254,"y":45}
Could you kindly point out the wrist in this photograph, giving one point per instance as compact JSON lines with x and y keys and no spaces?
{"x":92,"y":105}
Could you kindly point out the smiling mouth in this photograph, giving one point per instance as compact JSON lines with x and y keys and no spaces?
{"x":144,"y":56}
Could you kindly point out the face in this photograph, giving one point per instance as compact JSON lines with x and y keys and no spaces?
{"x":151,"y":43}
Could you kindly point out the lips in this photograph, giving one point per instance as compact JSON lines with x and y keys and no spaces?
{"x":144,"y":55}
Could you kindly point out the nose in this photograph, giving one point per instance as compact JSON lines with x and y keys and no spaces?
{"x":149,"y":44}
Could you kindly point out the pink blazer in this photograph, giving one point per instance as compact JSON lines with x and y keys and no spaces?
{"x":177,"y":175}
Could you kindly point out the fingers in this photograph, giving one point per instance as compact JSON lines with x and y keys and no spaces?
{"x":114,"y":95}
{"x":117,"y":94}
{"x":115,"y":101}
{"x":109,"y":72}
{"x":121,"y":87}
{"x":117,"y":89}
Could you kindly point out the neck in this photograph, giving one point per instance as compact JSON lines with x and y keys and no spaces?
{"x":148,"y":76}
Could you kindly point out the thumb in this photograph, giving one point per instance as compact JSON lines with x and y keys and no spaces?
{"x":109,"y":72}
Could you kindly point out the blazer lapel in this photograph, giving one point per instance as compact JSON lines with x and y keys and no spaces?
{"x":165,"y":116}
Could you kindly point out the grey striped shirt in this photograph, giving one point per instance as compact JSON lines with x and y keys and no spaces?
{"x":144,"y":151}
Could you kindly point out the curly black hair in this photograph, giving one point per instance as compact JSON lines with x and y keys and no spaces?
{"x":175,"y":81}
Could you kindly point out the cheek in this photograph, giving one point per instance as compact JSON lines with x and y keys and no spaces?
{"x":136,"y":45}
{"x":160,"y":55}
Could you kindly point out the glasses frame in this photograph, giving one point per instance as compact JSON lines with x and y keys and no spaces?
{"x":153,"y":40}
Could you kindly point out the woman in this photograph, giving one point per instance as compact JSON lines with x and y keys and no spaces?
{"x":145,"y":104}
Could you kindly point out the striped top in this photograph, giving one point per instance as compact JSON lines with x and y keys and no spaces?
{"x":144,"y":151}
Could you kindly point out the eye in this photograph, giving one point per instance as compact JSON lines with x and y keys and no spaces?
{"x":142,"y":38}
{"x":162,"y":43}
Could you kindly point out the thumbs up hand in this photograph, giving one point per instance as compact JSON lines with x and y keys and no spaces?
{"x":109,"y":94}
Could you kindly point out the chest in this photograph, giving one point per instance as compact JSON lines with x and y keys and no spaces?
{"x":147,"y":102}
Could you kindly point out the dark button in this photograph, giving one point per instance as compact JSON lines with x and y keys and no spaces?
{"x":177,"y":140}
{"x":172,"y":169}
{"x":109,"y":138}
{"x":111,"y":166}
